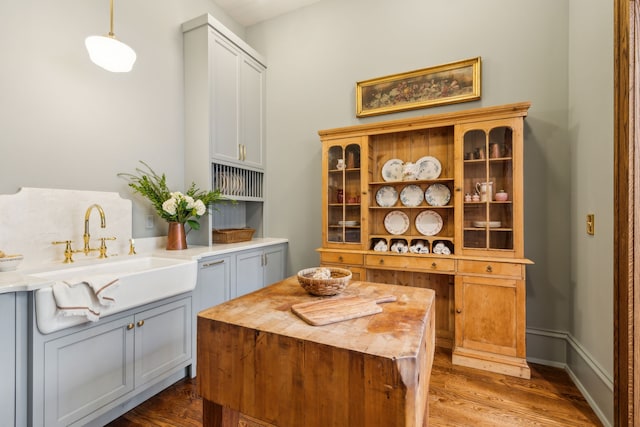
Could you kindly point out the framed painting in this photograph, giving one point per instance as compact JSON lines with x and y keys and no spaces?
{"x":444,"y":84}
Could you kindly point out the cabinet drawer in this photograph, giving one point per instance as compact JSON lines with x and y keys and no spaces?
{"x":340,"y":258}
{"x":490,"y":268}
{"x":410,"y":263}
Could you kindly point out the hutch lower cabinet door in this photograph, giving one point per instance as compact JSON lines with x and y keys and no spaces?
{"x":490,"y":324}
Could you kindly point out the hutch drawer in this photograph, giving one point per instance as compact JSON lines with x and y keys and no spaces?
{"x":490,"y":268}
{"x":410,"y":263}
{"x":341,"y":258}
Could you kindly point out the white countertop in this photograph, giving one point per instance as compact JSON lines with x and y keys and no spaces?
{"x":20,"y":280}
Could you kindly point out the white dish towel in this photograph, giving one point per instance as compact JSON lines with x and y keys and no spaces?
{"x":85,"y":297}
{"x":104,"y":287}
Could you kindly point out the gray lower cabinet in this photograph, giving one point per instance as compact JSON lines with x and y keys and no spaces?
{"x":92,"y":369}
{"x":214,"y":282}
{"x":227,"y":276}
{"x":8,"y":358}
{"x":258,"y":268}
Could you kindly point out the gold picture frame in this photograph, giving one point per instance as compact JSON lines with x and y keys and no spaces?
{"x":444,"y":84}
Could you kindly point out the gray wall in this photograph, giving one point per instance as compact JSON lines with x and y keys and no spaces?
{"x":556,"y":54}
{"x":65,"y":123}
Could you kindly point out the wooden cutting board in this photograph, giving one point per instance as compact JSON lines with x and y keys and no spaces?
{"x":333,"y":310}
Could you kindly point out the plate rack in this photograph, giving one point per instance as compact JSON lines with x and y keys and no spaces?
{"x":238,"y":184}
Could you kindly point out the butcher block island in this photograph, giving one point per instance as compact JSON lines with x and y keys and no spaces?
{"x":259,"y":364}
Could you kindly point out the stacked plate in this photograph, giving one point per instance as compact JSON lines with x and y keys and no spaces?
{"x":427,"y":167}
{"x":396,"y":222}
{"x":429,"y":223}
{"x":411,"y":195}
{"x":386,"y":196}
{"x":437,"y":195}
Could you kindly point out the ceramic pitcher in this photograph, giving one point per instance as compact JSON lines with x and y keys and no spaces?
{"x":485,"y":190}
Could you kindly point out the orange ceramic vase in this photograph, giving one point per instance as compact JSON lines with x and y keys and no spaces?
{"x":176,"y":238}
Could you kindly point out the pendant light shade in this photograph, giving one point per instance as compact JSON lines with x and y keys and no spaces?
{"x":108,"y":52}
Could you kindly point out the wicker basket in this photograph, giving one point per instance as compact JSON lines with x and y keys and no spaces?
{"x":339,"y":280}
{"x":232,"y":235}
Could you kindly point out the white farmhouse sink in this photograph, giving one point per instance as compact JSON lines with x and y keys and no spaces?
{"x":141,"y":280}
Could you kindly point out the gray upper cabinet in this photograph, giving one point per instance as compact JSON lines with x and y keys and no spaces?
{"x":224,"y":102}
{"x":224,"y":98}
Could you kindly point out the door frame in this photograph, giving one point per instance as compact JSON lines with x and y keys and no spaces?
{"x":626,"y":220}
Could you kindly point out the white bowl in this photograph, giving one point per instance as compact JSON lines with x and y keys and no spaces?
{"x":10,"y":263}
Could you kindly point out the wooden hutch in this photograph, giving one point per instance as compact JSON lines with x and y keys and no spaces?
{"x":398,"y":207}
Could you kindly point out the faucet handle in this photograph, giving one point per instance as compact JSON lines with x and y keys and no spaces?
{"x":132,"y":247}
{"x":68,"y":252}
{"x":103,"y":246}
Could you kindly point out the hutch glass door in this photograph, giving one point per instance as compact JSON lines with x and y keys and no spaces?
{"x":344,"y":188}
{"x":488,"y":187}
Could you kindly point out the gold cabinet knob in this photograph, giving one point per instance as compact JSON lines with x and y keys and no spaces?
{"x":340,"y":258}
{"x":458,"y":311}
{"x":489,"y":269}
{"x":434,"y":265}
{"x":140,"y":323}
{"x":130,"y":326}
{"x":381,"y":261}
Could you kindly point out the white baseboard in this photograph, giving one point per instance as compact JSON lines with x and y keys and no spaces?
{"x":560,"y":349}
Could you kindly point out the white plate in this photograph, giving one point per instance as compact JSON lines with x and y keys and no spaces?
{"x":483,"y":224}
{"x":437,"y":195}
{"x":429,"y":223}
{"x":348,"y":223}
{"x":222,"y":183}
{"x":392,"y":170}
{"x":396,"y":222}
{"x":411,"y":195}
{"x":429,"y":168}
{"x":386,"y":196}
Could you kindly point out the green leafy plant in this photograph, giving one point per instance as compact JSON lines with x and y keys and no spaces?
{"x":172,"y":206}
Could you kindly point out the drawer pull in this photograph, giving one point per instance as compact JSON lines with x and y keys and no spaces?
{"x":209,"y":264}
{"x":489,"y":269}
{"x":434,"y":265}
{"x":340,"y":258}
{"x":140,"y":323}
{"x":130,"y":326}
{"x":458,"y":311}
{"x":381,"y":261}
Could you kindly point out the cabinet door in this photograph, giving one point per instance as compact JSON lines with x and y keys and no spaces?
{"x":8,"y":357}
{"x":225,"y":102}
{"x":344,"y":165}
{"x":249,"y":273}
{"x":490,"y":315}
{"x":252,"y":102}
{"x":214,"y":282}
{"x":86,"y":370}
{"x":162,"y":340}
{"x":491,"y":222}
{"x":274,"y":264}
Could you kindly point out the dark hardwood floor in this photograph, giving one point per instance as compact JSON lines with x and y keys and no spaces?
{"x":458,"y":396}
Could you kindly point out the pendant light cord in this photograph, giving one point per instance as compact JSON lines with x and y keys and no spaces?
{"x":111,"y":34}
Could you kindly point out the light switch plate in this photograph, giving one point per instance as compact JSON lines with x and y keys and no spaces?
{"x":591,"y":224}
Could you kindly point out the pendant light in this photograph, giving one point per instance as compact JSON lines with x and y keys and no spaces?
{"x":108,"y":52}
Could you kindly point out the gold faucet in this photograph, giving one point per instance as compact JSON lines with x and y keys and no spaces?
{"x":103,"y":224}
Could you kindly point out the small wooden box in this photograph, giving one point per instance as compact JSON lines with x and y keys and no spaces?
{"x":232,"y":235}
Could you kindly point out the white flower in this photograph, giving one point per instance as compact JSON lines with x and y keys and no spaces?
{"x":170,"y":206}
{"x":190,"y":202}
{"x":200,"y":207}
